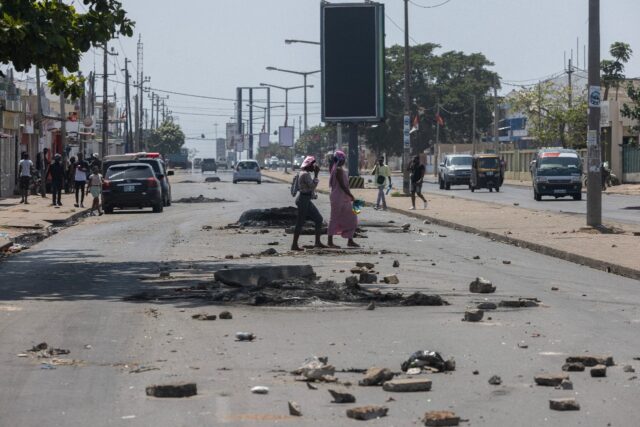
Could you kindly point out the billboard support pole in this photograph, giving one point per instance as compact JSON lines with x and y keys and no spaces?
{"x":353,"y":150}
{"x":407,"y":106}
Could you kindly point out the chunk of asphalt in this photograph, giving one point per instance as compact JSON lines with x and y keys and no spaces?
{"x":294,"y":409}
{"x":172,"y":390}
{"x":441,"y":419}
{"x":599,"y":371}
{"x":259,"y":275}
{"x":376,"y":376}
{"x":365,"y":413}
{"x":564,"y":404}
{"x":225,"y":315}
{"x":481,"y":286}
{"x":550,"y":380}
{"x":474,"y":315}
{"x":342,"y":397}
{"x":407,"y":385}
{"x":591,"y":360}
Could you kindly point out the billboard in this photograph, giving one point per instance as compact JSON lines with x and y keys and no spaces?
{"x":264,"y":140}
{"x":352,"y":58}
{"x":285,"y":136}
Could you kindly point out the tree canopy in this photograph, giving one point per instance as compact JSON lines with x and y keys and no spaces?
{"x":167,"y":139}
{"x":613,"y":70}
{"x":632,"y":110}
{"x":53,"y":35}
{"x":451,"y":79}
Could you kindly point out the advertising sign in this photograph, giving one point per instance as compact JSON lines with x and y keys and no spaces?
{"x":285,"y":136}
{"x":264,"y":140}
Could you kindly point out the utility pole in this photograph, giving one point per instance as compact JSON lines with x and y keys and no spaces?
{"x":473,"y":130}
{"x":138,"y":120}
{"x":251,"y":124}
{"x":105,"y":105}
{"x":496,"y":113}
{"x":127,"y":129}
{"x":63,"y":122}
{"x":406,"y":140}
{"x":570,"y":71}
{"x":594,"y":179}
{"x":153,"y":97}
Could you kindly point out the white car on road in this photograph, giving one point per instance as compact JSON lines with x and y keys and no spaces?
{"x":247,"y":170}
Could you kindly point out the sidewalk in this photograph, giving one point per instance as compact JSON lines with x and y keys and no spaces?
{"x":18,"y":219}
{"x":559,"y":235}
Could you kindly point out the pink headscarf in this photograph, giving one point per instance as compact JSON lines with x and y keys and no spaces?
{"x":307,"y":161}
{"x":337,"y":156}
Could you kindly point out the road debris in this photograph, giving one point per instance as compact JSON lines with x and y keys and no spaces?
{"x":371,"y":306}
{"x":550,"y":380}
{"x":294,"y":409}
{"x":481,"y":286}
{"x":259,"y":389}
{"x":271,"y":217}
{"x":200,"y":199}
{"x":172,"y":390}
{"x":391,"y":279}
{"x":407,"y":385}
{"x":261,"y":275}
{"x":368,"y":278}
{"x":591,"y":360}
{"x":474,"y":315}
{"x":311,"y":386}
{"x":376,"y":376}
{"x":441,"y":419}
{"x":225,"y":315}
{"x":565,"y":385}
{"x":245,"y":336}
{"x":316,"y":369}
{"x":519,"y":303}
{"x":628,"y":368}
{"x":203,"y":316}
{"x":487,"y":306}
{"x":564,"y":404}
{"x":366,"y":413}
{"x":43,"y":350}
{"x":342,"y":397}
{"x":268,"y":252}
{"x":142,"y":369}
{"x":212,"y":179}
{"x":430,"y":359}
{"x":599,"y":371}
{"x":506,"y":262}
{"x":396,"y":263}
{"x":495,"y":380}
{"x":573,"y":367}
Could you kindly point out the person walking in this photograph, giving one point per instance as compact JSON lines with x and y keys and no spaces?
{"x":382,"y":177}
{"x":80,"y":178}
{"x":25,"y":170}
{"x":94,"y":186}
{"x":343,"y":220}
{"x":306,"y":209}
{"x":417,"y":170}
{"x":57,"y":173}
{"x":69,"y":175}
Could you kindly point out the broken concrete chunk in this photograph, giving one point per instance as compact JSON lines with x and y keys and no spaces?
{"x":358,"y":270}
{"x":365,"y":413}
{"x":396,"y":263}
{"x":550,"y":380}
{"x":351,"y":281}
{"x":260,"y":390}
{"x":172,"y":390}
{"x":371,"y":306}
{"x":225,"y":315}
{"x":487,"y":306}
{"x":342,"y":397}
{"x":565,"y":385}
{"x":270,"y":251}
{"x":628,"y":368}
{"x":245,"y":336}
{"x":573,"y":367}
{"x":294,"y":409}
{"x":367,"y":265}
{"x":474,"y":315}
{"x":495,"y":380}
{"x":591,"y":360}
{"x":316,"y":368}
{"x":481,"y":286}
{"x":375,"y":376}
{"x":391,"y":279}
{"x":441,"y":419}
{"x":564,"y":404}
{"x":407,"y":385}
{"x":599,"y":371}
{"x":203,"y":316}
{"x":368,"y":278}
{"x":406,"y":227}
{"x":510,"y":303}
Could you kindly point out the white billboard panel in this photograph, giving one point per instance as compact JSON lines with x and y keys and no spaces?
{"x":285,"y":136}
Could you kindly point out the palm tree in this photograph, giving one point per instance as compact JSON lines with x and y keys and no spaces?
{"x":613,"y":71}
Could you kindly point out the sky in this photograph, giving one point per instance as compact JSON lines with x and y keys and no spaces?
{"x":210,"y":47}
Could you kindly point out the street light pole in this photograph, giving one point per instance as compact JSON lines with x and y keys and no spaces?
{"x":594,"y":178}
{"x":304,"y":74}
{"x":406,"y":137}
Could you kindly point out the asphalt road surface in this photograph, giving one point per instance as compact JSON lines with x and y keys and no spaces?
{"x":71,"y":291}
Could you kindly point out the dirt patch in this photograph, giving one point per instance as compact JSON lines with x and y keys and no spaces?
{"x":201,"y":199}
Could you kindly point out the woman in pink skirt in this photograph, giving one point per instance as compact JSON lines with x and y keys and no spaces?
{"x":343,"y":220}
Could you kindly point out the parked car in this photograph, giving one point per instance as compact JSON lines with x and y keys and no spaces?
{"x":556,"y":172}
{"x":297,"y":161}
{"x":247,"y":170}
{"x":131,"y":185}
{"x":208,"y":165}
{"x":455,"y":169}
{"x":274,"y":162}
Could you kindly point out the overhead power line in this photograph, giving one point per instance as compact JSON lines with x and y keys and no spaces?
{"x":429,"y":7}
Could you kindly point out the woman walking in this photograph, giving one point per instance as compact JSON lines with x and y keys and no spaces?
{"x":94,"y":186}
{"x":306,"y":209}
{"x":343,"y":220}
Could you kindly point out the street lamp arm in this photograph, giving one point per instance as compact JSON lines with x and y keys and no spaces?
{"x":301,"y":73}
{"x":290,"y":41}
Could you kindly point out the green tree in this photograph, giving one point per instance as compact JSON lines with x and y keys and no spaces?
{"x":549,"y":118}
{"x":53,"y":35}
{"x":632,"y":110}
{"x":166,"y":139}
{"x":613,"y":70}
{"x":317,"y":141}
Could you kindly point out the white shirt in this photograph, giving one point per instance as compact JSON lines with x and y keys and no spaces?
{"x":25,"y":167}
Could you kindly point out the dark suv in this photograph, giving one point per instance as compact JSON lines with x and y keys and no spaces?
{"x":158,"y":165}
{"x":208,"y":165}
{"x":131,"y":185}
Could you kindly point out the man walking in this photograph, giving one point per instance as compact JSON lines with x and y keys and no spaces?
{"x":57,"y":172}
{"x":417,"y":171}
{"x":81,"y":169}
{"x":25,"y":169}
{"x":381,"y":175}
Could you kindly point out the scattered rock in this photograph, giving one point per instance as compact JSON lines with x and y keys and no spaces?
{"x":172,"y":390}
{"x":259,"y":389}
{"x":371,"y":306}
{"x":365,"y":413}
{"x":259,"y":275}
{"x":555,"y":288}
{"x":573,"y":367}
{"x":564,"y":404}
{"x":481,"y":286}
{"x":391,"y":280}
{"x":203,"y":316}
{"x":406,"y":226}
{"x":599,"y":371}
{"x":628,"y":368}
{"x":476,"y":372}
{"x":368,"y":278}
{"x":487,"y":306}
{"x":212,"y":179}
{"x":506,"y":262}
{"x":565,"y":385}
{"x":225,"y":315}
{"x":550,"y":380}
{"x":273,"y":243}
{"x":376,"y":376}
{"x":523,"y":345}
{"x":311,"y":386}
{"x":476,"y":257}
{"x":294,"y":409}
{"x":591,"y":360}
{"x":495,"y":380}
{"x":396,"y":263}
{"x":426,"y":221}
{"x":245,"y":336}
{"x":228,"y":257}
{"x":342,"y":397}
{"x":407,"y":385}
{"x":473,"y":315}
{"x":200,"y":199}
{"x":207,"y":228}
{"x":270,"y":251}
{"x":367,"y":265}
{"x":316,"y":369}
{"x":441,"y":419}
{"x":352,"y":281}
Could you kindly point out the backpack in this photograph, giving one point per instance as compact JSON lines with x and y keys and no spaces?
{"x":294,"y":186}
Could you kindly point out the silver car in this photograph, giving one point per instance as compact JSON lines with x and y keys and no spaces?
{"x":247,"y":170}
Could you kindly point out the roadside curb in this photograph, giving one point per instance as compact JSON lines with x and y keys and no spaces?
{"x":535,"y":247}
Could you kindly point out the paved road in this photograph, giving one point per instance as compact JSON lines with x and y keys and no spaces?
{"x":69,"y":290}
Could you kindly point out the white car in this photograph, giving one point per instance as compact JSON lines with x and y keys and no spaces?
{"x":247,"y":170}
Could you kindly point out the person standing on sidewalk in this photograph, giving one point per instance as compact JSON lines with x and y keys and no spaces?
{"x":57,"y":172}
{"x":381,"y":175}
{"x":343,"y":220}
{"x":25,"y":170}
{"x":94,"y":186}
{"x":80,"y":170}
{"x":417,"y":170}
{"x":306,"y":209}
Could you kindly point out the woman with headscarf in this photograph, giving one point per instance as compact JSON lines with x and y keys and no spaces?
{"x":343,"y":220}
{"x":306,"y":209}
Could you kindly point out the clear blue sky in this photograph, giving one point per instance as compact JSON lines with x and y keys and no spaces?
{"x":210,"y":47}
